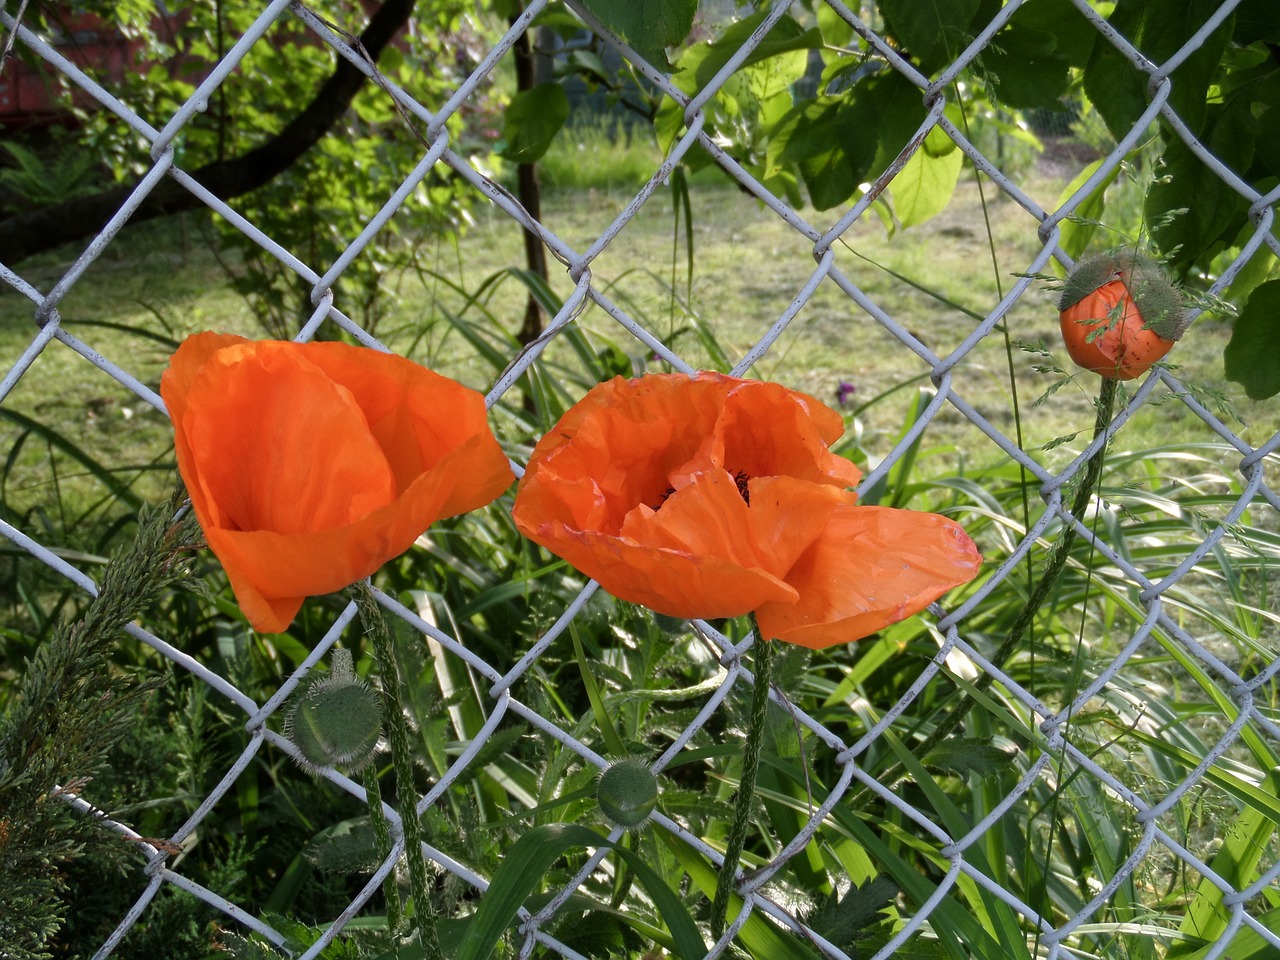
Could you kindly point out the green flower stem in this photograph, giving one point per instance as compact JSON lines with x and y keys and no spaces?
{"x":763,"y":650}
{"x":1052,"y":570}
{"x":375,"y":626}
{"x":382,"y":837}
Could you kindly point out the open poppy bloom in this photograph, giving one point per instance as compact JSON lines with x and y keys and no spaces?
{"x":711,"y":496}
{"x":310,"y":465}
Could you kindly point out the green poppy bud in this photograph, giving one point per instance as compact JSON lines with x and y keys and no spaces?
{"x":335,"y":721}
{"x":627,"y":793}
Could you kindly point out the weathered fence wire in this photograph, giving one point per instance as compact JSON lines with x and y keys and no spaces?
{"x":1145,"y":813}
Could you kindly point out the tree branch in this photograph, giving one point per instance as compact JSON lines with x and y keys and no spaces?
{"x":31,"y":233}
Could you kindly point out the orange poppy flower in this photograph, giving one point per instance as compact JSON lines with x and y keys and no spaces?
{"x":310,"y":465}
{"x":710,"y":496}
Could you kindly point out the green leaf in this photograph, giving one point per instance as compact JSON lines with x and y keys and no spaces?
{"x":842,"y":920}
{"x":700,"y":64}
{"x":923,"y":188}
{"x":1236,"y":862}
{"x":1025,"y":70}
{"x":1245,"y":945}
{"x":1070,"y":36}
{"x":1249,"y":357}
{"x":837,"y":142}
{"x":603,"y":719}
{"x":649,"y":26}
{"x":932,"y":33}
{"x":759,"y":936}
{"x":525,"y":866}
{"x":532,"y":120}
{"x":1079,"y":230}
{"x":966,"y":755}
{"x":824,"y":138}
{"x":836,"y":31}
{"x":1189,"y":210}
{"x":899,"y":113}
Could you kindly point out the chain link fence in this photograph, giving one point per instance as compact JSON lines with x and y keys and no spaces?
{"x":959,"y":848}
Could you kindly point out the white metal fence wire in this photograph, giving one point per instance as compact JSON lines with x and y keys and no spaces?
{"x":1156,"y":837}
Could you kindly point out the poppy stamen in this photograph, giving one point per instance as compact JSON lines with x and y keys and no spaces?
{"x":665,"y":494}
{"x":741,"y":479}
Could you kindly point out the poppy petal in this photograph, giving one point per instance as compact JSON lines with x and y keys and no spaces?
{"x":175,"y":386}
{"x":872,"y":567}
{"x":673,"y":582}
{"x":772,"y":431}
{"x":279,"y":446}
{"x":787,"y":516}
{"x":420,"y":418}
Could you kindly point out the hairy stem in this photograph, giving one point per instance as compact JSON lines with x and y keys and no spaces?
{"x":382,"y":837}
{"x":375,"y":625}
{"x":763,"y":650}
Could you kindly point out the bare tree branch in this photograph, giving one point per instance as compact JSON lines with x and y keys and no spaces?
{"x":27,"y":234}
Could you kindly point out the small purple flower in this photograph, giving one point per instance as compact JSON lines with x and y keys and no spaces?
{"x":844,"y":391}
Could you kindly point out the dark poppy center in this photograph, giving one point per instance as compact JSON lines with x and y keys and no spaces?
{"x":741,"y":478}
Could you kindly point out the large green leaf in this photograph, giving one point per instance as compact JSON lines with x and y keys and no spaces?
{"x":923,"y":188}
{"x":532,"y":120}
{"x":1078,"y":230}
{"x":1025,"y":68}
{"x":1190,"y":211}
{"x":701,"y":63}
{"x":1158,"y":28}
{"x":932,"y":33}
{"x":1249,"y":357}
{"x":1072,"y":36}
{"x":649,"y":26}
{"x":838,"y":142}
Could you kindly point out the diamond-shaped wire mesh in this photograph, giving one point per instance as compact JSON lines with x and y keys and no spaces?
{"x":1139,"y":807}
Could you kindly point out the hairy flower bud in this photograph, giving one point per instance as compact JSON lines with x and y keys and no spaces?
{"x":1119,"y":314}
{"x":627,"y":793}
{"x":335,"y":721}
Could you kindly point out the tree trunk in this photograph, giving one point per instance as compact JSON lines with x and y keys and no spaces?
{"x":530,"y":195}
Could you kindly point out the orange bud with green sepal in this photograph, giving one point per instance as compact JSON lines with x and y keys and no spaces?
{"x":1120,"y":314}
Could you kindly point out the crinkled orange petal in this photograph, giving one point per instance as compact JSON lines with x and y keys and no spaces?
{"x":626,"y":439}
{"x":788,"y":516}
{"x":311,"y":465}
{"x":175,"y":384}
{"x":769,"y":430}
{"x":266,"y":568}
{"x":691,"y":558}
{"x":419,"y":419}
{"x":672,"y":582}
{"x":872,"y":567}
